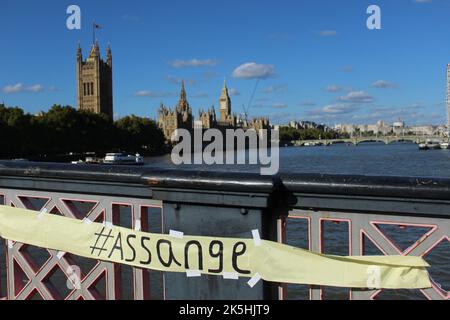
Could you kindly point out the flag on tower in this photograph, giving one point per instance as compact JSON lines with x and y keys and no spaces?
{"x":94,"y":27}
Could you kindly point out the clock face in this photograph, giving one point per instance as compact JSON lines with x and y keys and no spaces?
{"x":223,"y":104}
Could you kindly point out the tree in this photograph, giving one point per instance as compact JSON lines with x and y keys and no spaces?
{"x":140,"y":134}
{"x":310,"y":133}
{"x":64,"y":130}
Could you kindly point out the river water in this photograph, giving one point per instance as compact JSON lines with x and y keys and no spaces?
{"x":400,"y":159}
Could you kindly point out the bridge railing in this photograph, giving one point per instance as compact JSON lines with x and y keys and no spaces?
{"x":331,"y":214}
{"x":361,"y":215}
{"x":379,"y":139}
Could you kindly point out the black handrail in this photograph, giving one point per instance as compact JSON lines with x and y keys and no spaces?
{"x":295,"y":183}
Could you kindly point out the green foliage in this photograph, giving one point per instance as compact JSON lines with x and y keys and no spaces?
{"x":140,"y":132}
{"x":64,"y":130}
{"x":292,"y":134}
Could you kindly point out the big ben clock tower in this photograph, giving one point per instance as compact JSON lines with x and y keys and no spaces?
{"x":224,"y":105}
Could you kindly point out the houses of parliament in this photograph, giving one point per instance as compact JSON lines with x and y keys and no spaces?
{"x":95,"y":94}
{"x":181,"y":116}
{"x":94,"y":82}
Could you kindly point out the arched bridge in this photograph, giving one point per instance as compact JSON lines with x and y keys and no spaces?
{"x":358,"y":140}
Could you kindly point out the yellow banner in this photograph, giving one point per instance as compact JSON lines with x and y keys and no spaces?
{"x":228,"y":257}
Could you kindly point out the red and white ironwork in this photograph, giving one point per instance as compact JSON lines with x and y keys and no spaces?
{"x":26,"y":278}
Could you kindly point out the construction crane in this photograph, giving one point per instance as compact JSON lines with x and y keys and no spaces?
{"x":247,"y":108}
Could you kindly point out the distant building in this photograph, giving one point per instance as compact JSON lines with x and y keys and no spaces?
{"x":181,"y":118}
{"x":198,"y":124}
{"x":380,"y":128}
{"x":94,"y":82}
{"x":345,"y":128}
{"x":169,"y":120}
{"x":208,"y":119}
{"x":448,"y":96}
{"x":294,"y":125}
{"x":226,"y":118}
{"x":260,"y":124}
{"x":421,"y":130}
{"x":399,"y":127}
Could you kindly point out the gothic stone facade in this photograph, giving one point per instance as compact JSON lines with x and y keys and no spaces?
{"x":208,"y":118}
{"x":94,"y":82}
{"x":181,"y":118}
{"x":226,"y":118}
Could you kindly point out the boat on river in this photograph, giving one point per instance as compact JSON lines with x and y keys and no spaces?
{"x":430,"y":145}
{"x":123,"y":159}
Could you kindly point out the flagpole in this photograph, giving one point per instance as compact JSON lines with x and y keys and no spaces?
{"x":93,"y":32}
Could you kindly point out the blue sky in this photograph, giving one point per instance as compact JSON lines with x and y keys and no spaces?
{"x":315,"y":59}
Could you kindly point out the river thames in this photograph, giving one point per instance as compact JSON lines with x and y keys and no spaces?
{"x":398,"y":159}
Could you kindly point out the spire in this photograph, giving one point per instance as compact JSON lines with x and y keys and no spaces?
{"x":183,"y":92}
{"x":224,"y":104}
{"x":109,"y":56}
{"x":225,"y":88}
{"x":79,"y":52}
{"x":95,"y":50}
{"x":183,"y":104}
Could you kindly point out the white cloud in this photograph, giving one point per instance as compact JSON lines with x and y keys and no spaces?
{"x":333,"y":88}
{"x":275,"y":89}
{"x":13,"y":88}
{"x":381,"y":84}
{"x":177,"y":80}
{"x":339,"y":109}
{"x":357,"y":97}
{"x":332,"y":112}
{"x":19,"y":87}
{"x":193,"y":63}
{"x":252,"y":70}
{"x":234,"y":92}
{"x":328,"y":33}
{"x":422,"y":1}
{"x":36,"y":88}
